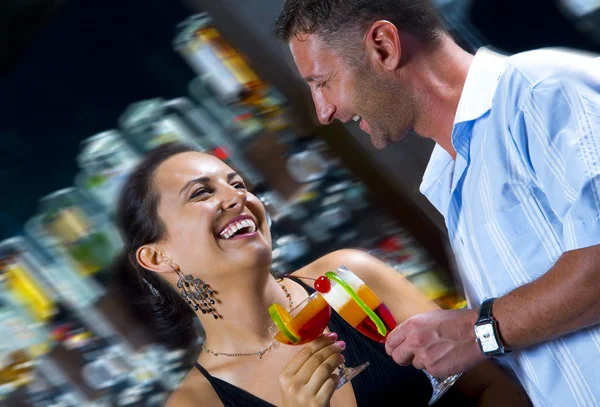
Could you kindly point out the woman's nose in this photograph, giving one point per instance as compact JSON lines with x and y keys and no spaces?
{"x":235,"y":199}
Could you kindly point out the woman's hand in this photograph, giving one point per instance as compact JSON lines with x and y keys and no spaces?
{"x":308,"y":380}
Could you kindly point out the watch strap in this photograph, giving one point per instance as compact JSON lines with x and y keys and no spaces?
{"x":485,"y":310}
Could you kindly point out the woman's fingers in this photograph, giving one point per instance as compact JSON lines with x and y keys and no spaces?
{"x":327,"y":389}
{"x":321,"y":360}
{"x":307,"y":352}
{"x":324,"y":372}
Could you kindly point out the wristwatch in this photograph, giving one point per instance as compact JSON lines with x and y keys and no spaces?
{"x":486,"y":331}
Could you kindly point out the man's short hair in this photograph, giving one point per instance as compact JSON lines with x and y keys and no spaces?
{"x":332,"y":19}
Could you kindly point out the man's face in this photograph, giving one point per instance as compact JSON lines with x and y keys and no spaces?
{"x":359,"y":92}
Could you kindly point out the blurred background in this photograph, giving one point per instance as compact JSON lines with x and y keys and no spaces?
{"x":89,"y":87}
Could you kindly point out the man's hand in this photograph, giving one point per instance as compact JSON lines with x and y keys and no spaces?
{"x":441,"y":342}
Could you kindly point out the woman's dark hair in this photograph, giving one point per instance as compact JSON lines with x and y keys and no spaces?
{"x":158,"y":306}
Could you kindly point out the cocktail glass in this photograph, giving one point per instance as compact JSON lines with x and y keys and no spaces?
{"x":305,"y":323}
{"x":359,"y":306}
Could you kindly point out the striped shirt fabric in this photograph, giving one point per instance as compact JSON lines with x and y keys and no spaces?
{"x":524,"y":189}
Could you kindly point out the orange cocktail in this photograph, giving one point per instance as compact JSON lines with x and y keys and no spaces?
{"x":305,"y":323}
{"x":350,"y":297}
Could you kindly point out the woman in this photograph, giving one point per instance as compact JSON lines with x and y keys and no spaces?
{"x":187,"y":213}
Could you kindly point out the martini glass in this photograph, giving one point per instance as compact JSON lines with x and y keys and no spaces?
{"x":359,"y":306}
{"x":304,"y":323}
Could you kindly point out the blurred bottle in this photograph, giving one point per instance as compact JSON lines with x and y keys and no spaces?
{"x":19,"y":275}
{"x":15,"y":368}
{"x":89,"y":246}
{"x":399,"y":250}
{"x":220,"y":66}
{"x":105,"y":160}
{"x":238,"y":120}
{"x":290,"y":248}
{"x":19,"y":331}
{"x":274,"y":204}
{"x":75,"y":336}
{"x":436,"y":286}
{"x":49,"y":385}
{"x":105,"y":371}
{"x":226,"y":73}
{"x":150,"y":123}
{"x":307,"y":166}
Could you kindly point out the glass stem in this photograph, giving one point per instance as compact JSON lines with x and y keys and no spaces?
{"x":440,"y":385}
{"x":348,"y":373}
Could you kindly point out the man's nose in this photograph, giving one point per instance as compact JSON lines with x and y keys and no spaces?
{"x":325,"y":110}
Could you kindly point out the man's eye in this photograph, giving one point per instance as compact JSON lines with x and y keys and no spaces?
{"x":321,"y":84}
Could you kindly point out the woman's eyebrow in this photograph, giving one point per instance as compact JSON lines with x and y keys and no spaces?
{"x":194,"y":181}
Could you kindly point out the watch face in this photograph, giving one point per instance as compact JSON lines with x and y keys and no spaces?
{"x":487,"y":339}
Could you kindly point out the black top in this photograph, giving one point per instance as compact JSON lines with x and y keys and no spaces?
{"x":382,"y":383}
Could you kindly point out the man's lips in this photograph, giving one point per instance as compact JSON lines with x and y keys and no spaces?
{"x":364,"y":126}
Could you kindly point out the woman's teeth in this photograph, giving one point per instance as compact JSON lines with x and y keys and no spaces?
{"x":356,"y":118}
{"x":235,"y":227}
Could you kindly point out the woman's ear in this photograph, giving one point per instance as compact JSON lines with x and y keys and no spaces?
{"x":151,"y":259}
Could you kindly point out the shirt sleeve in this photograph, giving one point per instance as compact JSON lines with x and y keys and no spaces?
{"x":558,"y":129}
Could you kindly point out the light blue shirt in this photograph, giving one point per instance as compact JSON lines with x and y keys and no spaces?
{"x":524,"y":189}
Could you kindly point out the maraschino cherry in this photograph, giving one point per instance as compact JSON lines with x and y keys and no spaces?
{"x":322,"y":284}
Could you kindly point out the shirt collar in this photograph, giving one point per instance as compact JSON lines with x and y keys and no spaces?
{"x":482,"y":79}
{"x":475,"y":100}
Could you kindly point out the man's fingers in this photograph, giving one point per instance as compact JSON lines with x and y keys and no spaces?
{"x":395,"y":339}
{"x":418,"y":363}
{"x":402,"y":356}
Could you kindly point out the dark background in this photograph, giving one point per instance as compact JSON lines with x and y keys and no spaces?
{"x":72,"y":80}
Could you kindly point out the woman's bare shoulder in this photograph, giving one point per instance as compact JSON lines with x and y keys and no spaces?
{"x":195,"y":390}
{"x":351,"y":258}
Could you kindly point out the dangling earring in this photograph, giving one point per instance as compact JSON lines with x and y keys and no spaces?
{"x":196,"y":293}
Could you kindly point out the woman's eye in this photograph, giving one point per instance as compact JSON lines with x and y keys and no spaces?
{"x":239,"y":185}
{"x":199,"y":192}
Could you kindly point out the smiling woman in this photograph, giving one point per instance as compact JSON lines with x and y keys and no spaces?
{"x":198,"y":245}
{"x":198,"y":193}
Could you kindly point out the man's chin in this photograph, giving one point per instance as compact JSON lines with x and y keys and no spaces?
{"x":380,"y":143}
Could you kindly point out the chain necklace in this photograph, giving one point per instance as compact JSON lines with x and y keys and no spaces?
{"x":260,"y":353}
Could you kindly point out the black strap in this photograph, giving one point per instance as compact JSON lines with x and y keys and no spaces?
{"x":308,"y":288}
{"x":485,"y":310}
{"x":204,"y":372}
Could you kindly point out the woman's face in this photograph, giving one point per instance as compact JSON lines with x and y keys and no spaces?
{"x":214,"y":225}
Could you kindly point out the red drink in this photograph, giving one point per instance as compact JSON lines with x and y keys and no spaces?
{"x":307,"y":322}
{"x":367,"y":326}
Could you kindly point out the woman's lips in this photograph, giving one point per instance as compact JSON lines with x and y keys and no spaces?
{"x":244,"y":236}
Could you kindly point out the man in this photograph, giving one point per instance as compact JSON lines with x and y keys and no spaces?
{"x":515,"y":172}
